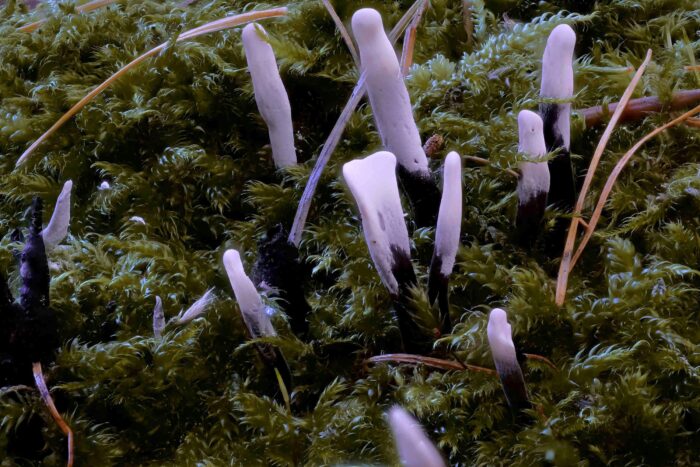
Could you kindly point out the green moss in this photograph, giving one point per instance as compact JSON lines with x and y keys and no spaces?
{"x":183,"y":146}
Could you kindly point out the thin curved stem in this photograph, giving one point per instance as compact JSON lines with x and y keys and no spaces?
{"x":48,"y":400}
{"x":428,"y":361}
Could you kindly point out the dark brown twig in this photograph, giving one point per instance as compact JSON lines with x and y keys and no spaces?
{"x":428,"y":361}
{"x":639,"y":108}
{"x":48,"y":400}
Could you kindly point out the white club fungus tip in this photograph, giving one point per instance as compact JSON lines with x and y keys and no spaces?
{"x":252,"y":308}
{"x":413,"y":445}
{"x":137,"y":219}
{"x":557,"y":63}
{"x":387,"y":92}
{"x":158,"y":318}
{"x":197,"y":309}
{"x":449,"y":221}
{"x":270,"y":94}
{"x":500,"y":338}
{"x":506,"y":360}
{"x":104,"y":186}
{"x":57,"y":229}
{"x":535,"y":178}
{"x":372,"y":182}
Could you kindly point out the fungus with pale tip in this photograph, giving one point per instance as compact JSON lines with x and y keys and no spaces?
{"x":57,"y":229}
{"x":558,"y":83}
{"x":533,"y":184}
{"x":413,"y":445}
{"x":372,"y":182}
{"x":197,"y":309}
{"x":447,"y":232}
{"x":255,"y":315}
{"x":158,"y":318}
{"x":270,"y":94}
{"x":392,"y":111}
{"x":506,"y":360}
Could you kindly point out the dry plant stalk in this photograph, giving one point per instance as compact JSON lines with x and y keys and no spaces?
{"x":90,"y":6}
{"x":48,"y":400}
{"x":334,"y":137}
{"x":639,"y":108}
{"x":605,"y":194}
{"x":409,"y":39}
{"x":566,"y":263}
{"x":428,"y":361}
{"x":343,"y":32}
{"x":214,"y":26}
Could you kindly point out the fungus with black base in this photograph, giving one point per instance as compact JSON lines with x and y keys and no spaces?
{"x":558,"y":83}
{"x":372,"y":182}
{"x":393,"y":115}
{"x":449,"y":225}
{"x":255,"y":316}
{"x":533,"y":184}
{"x":506,"y":360}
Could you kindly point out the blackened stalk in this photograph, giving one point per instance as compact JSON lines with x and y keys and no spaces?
{"x":278,"y":266}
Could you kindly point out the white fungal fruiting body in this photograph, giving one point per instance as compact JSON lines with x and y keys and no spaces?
{"x":387,"y":92}
{"x":413,"y":445}
{"x":373,"y":184}
{"x":534,"y":177}
{"x":57,"y":229}
{"x":158,"y":318}
{"x":252,"y":308}
{"x":501,"y":338}
{"x":558,"y":75}
{"x":137,"y":219}
{"x":197,"y":309}
{"x":270,"y":94}
{"x":104,"y":186}
{"x":449,"y":221}
{"x":506,"y":360}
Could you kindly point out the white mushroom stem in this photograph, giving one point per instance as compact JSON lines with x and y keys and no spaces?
{"x":449,"y":224}
{"x":373,"y":184}
{"x":270,"y":94}
{"x":558,"y":83}
{"x":252,"y":308}
{"x":506,"y":360}
{"x":197,"y":309}
{"x":158,"y":318}
{"x":533,"y":184}
{"x":387,"y":92}
{"x":413,"y":445}
{"x":57,"y":229}
{"x":449,"y":221}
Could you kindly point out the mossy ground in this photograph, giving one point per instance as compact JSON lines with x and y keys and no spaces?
{"x":182,"y":145}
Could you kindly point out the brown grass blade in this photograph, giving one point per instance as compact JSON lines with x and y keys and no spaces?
{"x":343,"y":32}
{"x":48,"y":400}
{"x":214,"y":26}
{"x":428,"y":361}
{"x":409,"y":39}
{"x":566,"y":264}
{"x":87,"y":7}
{"x":605,"y":194}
